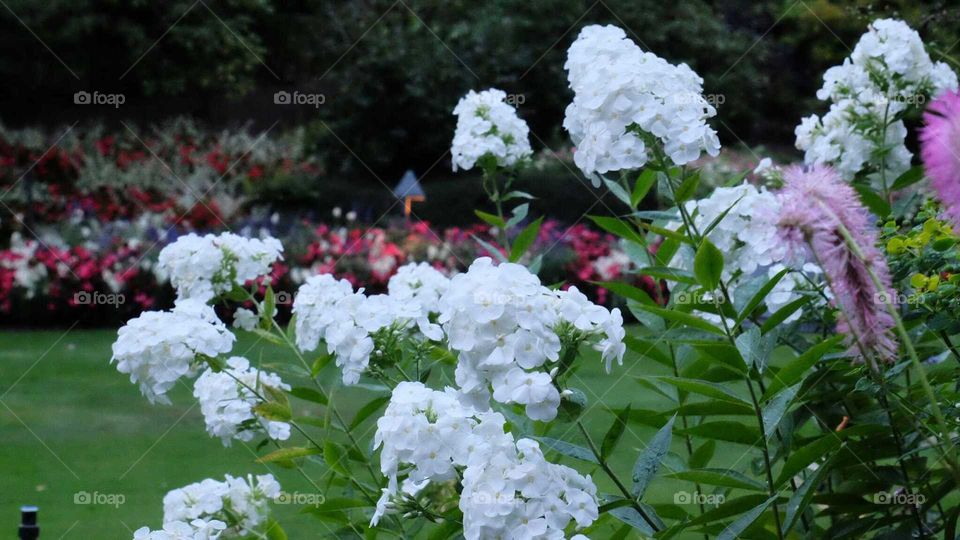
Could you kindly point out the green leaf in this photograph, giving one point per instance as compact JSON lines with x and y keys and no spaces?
{"x":320,"y":363}
{"x":630,"y":516}
{"x":718,"y":477}
{"x":269,"y":304}
{"x":730,"y":508}
{"x":669,"y":274}
{"x":733,"y":530}
{"x":795,"y":368}
{"x":271,"y":410}
{"x":681,"y":317}
{"x":728,"y":431}
{"x":525,"y":239}
{"x":760,"y":296}
{"x":518,"y":214}
{"x":335,"y":457}
{"x":702,"y":455}
{"x":704,"y":388}
{"x":773,"y":412}
{"x":492,"y":250}
{"x":804,"y":494}
{"x":269,"y":336}
{"x":784,"y":312}
{"x":872,"y":200}
{"x":908,"y":178}
{"x":517,"y":195}
{"x":802,"y":457}
{"x":645,"y":181}
{"x":714,"y":408}
{"x":755,"y":348}
{"x":288,"y":454}
{"x":614,"y":433}
{"x":708,"y":265}
{"x":567,"y":449}
{"x":274,"y":530}
{"x":649,"y":460}
{"x":367,"y":410}
{"x":618,"y":191}
{"x":688,"y":188}
{"x":335,"y":505}
{"x":619,"y":228}
{"x":647,"y":349}
{"x":627,"y":291}
{"x":309,"y":394}
{"x":491,"y":219}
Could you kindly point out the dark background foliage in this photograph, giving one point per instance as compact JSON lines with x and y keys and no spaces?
{"x":391,"y":71}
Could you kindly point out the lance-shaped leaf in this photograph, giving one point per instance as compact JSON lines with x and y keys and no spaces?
{"x":774,"y":410}
{"x":733,"y":530}
{"x":649,"y":460}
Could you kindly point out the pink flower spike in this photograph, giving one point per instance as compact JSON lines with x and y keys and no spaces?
{"x":940,"y":150}
{"x":817,"y":204}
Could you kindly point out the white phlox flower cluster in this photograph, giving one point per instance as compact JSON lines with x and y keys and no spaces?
{"x":625,"y":97}
{"x":159,"y":347}
{"x":509,"y":489}
{"x":420,"y":285}
{"x":488,"y":126}
{"x":504,"y":326}
{"x":747,"y":237}
{"x":516,"y":493}
{"x":204,"y":267}
{"x":888,"y":73}
{"x":209,"y":509}
{"x":329,"y":310}
{"x":227,"y":399}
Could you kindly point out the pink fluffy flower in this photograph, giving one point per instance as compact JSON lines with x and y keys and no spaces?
{"x":816,"y":202}
{"x":940,"y":149}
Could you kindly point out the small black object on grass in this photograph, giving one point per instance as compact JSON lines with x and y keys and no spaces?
{"x":29,"y":530}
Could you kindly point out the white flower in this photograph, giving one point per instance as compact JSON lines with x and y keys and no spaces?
{"x":420,"y":287}
{"x":205,"y":267}
{"x":624,"y":96}
{"x":888,"y":73}
{"x":233,"y":508}
{"x":504,"y":324}
{"x":159,"y":347}
{"x":348,"y":321}
{"x":515,"y":492}
{"x":227,"y":399}
{"x":245,"y":319}
{"x":488,"y":126}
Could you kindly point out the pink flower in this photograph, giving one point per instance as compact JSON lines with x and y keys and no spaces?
{"x":816,"y":203}
{"x":940,"y":149}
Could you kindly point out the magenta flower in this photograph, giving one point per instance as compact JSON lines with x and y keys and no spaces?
{"x":816,"y":203}
{"x":940,"y":150}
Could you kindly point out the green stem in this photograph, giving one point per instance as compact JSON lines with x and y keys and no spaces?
{"x":950,"y":453}
{"x":606,"y":469}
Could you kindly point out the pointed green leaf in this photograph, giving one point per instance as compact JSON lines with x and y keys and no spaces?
{"x":614,"y":432}
{"x":708,"y":265}
{"x":649,"y":460}
{"x":525,"y":239}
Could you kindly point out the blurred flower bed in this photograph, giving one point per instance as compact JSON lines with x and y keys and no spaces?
{"x":99,"y":272}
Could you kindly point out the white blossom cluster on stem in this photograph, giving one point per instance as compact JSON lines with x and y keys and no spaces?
{"x":509,"y":489}
{"x":504,"y":324}
{"x":888,"y":73}
{"x":227,"y":399}
{"x":626,"y":98}
{"x":328,"y":309}
{"x":205,"y":267}
{"x":487,"y":126}
{"x":748,"y":237}
{"x":159,"y":347}
{"x":209,"y":509}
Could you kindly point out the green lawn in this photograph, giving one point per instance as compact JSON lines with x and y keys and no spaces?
{"x":70,"y":423}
